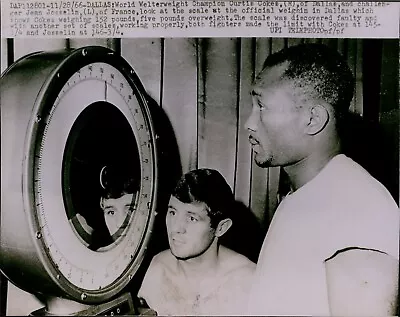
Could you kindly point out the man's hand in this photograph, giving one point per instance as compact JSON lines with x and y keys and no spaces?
{"x":362,"y":282}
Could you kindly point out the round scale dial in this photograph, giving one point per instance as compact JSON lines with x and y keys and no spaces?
{"x":90,"y":115}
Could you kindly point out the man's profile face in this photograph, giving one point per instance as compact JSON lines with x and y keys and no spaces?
{"x":189,"y":228}
{"x":116,"y":210}
{"x":274,"y":125}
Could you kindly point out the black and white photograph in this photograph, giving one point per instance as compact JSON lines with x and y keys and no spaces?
{"x":199,"y":176}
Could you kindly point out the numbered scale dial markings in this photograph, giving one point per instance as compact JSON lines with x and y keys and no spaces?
{"x":90,"y":114}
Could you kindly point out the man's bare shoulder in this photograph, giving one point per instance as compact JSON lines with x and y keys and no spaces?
{"x":160,"y":265}
{"x":235,"y":262}
{"x":164,"y":261}
{"x":163,"y":258}
{"x":362,"y":282}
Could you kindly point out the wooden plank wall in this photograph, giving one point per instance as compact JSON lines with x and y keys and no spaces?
{"x":203,"y":87}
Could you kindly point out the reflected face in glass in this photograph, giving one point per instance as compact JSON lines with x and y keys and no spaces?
{"x":116,"y":210}
{"x":84,"y":154}
{"x":189,"y":229}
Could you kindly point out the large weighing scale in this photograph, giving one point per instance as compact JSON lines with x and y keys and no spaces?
{"x":64,"y":117}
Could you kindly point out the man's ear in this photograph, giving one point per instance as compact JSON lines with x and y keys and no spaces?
{"x":318,"y":118}
{"x":223,"y":227}
{"x":102,"y":203}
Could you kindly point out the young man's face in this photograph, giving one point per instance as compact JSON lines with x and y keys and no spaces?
{"x":189,"y":229}
{"x":116,"y":210}
{"x":275,"y":122}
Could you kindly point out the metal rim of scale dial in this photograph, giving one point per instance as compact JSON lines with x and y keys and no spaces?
{"x":81,"y":81}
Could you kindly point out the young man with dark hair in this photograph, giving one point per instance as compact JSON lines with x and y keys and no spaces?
{"x":118,"y":198}
{"x":332,"y":246}
{"x":117,"y":202}
{"x":197,"y":275}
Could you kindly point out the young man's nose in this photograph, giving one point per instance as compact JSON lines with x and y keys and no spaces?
{"x":119,"y":218}
{"x":179,"y":225}
{"x":251,"y":123}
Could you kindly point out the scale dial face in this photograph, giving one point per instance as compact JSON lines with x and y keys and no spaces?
{"x":97,"y":120}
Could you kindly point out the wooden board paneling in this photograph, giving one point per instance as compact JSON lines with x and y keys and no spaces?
{"x":218,"y":119}
{"x":354,"y":54}
{"x":358,"y":94}
{"x":342,"y":47}
{"x":180,"y":96}
{"x":244,"y":157}
{"x":145,"y":56}
{"x":23,"y":47}
{"x":110,"y":43}
{"x":278,"y":44}
{"x":389,"y":117}
{"x":390,"y":76}
{"x":263,"y":49}
{"x":310,"y":40}
{"x":372,"y":73}
{"x":4,"y":54}
{"x":294,"y":41}
{"x":332,"y":43}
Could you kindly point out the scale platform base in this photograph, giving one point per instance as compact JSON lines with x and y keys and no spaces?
{"x":122,"y":305}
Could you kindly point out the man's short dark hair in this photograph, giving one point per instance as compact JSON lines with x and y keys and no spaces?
{"x":118,"y":181}
{"x":317,"y":72}
{"x":206,"y":186}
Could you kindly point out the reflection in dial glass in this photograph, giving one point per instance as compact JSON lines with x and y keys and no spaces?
{"x":101,"y":175}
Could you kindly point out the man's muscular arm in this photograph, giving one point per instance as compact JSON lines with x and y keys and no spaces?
{"x":362,"y":282}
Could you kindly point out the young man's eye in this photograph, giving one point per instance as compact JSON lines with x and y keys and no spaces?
{"x":171,"y":212}
{"x":111,"y":212}
{"x":193,"y":219}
